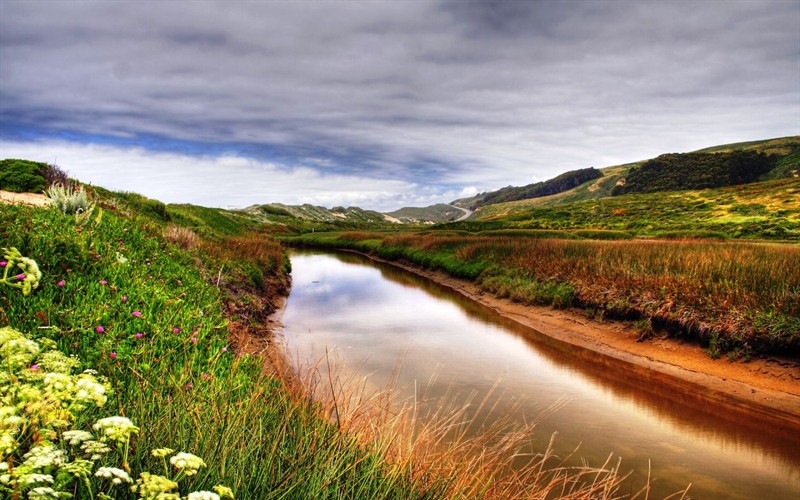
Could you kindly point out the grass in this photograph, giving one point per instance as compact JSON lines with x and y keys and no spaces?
{"x":764,"y":210}
{"x":147,"y":295}
{"x":734,"y":296}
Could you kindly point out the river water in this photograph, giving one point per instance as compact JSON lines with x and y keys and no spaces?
{"x":374,"y":318}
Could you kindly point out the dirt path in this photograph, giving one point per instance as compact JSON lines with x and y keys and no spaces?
{"x":766,"y":386}
{"x":23,"y":198}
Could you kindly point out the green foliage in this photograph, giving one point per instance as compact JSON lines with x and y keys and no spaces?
{"x":675,"y":172}
{"x":22,"y":176}
{"x":26,"y":276}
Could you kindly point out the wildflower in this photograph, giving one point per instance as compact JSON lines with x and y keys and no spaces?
{"x":153,"y":486}
{"x":3,"y":263}
{"x":31,"y":479}
{"x":34,"y":367}
{"x":187,"y":463}
{"x":205,"y":376}
{"x":176,"y":330}
{"x":99,"y":329}
{"x":112,"y":355}
{"x":139,"y":335}
{"x":20,"y":276}
{"x":223,"y":491}
{"x":116,"y":428}
{"x":95,"y":449}
{"x":202,"y":495}
{"x":76,"y":437}
{"x":43,"y":492}
{"x":78,"y":467}
{"x":194,"y":340}
{"x":224,"y":349}
{"x":162,"y":452}
{"x":136,"y":313}
{"x":124,"y":298}
{"x":117,"y":476}
{"x":103,"y":282}
{"x":60,"y":283}
{"x":43,"y":456}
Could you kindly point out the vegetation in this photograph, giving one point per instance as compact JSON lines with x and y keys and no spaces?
{"x":735,"y":297}
{"x":426,"y":215}
{"x":673,"y":172}
{"x":560,"y":184}
{"x":159,"y":309}
{"x":767,"y":210}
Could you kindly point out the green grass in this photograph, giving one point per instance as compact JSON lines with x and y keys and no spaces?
{"x":765,"y":210}
{"x":180,"y":381}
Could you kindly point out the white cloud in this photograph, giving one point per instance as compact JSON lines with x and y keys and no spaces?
{"x":223,"y":181}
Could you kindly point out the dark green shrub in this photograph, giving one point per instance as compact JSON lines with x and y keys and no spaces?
{"x":21,"y":176}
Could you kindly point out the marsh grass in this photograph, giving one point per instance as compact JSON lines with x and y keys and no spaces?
{"x":457,"y":447}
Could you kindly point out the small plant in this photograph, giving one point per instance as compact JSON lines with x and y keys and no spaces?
{"x":70,"y":201}
{"x":181,"y":236}
{"x":27,"y":279}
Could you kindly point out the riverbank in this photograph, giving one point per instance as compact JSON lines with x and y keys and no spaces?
{"x":766,"y":387}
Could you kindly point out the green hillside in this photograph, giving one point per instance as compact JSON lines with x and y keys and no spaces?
{"x":426,"y":215}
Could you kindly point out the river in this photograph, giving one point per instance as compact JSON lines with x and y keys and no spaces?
{"x":374,"y":317}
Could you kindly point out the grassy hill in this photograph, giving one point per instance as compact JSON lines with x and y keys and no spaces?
{"x":426,"y":215}
{"x":787,"y":165}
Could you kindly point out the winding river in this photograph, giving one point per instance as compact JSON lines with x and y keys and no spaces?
{"x":375,"y":318}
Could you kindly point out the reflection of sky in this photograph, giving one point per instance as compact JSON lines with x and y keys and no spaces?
{"x":372,"y":324}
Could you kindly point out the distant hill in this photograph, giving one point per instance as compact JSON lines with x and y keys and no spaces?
{"x":426,"y":215}
{"x":320,"y":214}
{"x":564,"y":182}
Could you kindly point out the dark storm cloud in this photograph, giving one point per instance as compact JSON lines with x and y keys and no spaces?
{"x":438,"y":96}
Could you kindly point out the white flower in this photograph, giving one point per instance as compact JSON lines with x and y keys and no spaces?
{"x":202,"y":495}
{"x":77,"y":437}
{"x":116,"y":428}
{"x":44,"y":455}
{"x":31,"y":479}
{"x":43,"y":492}
{"x":95,"y":449}
{"x":89,"y":390}
{"x":187,"y":462}
{"x":117,"y":476}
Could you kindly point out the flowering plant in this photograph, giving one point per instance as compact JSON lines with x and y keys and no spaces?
{"x":27,"y":279}
{"x":42,"y":454}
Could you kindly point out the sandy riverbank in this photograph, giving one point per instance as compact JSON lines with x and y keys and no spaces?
{"x":765,"y":387}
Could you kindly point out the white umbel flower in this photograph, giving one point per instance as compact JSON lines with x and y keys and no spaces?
{"x":187,"y":462}
{"x":116,"y":428}
{"x":202,"y":495}
{"x":117,"y":476}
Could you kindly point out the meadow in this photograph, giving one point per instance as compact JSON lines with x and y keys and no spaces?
{"x":138,"y":301}
{"x":738,"y":298}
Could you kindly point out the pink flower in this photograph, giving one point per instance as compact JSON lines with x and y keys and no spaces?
{"x":34,"y":367}
{"x":194,"y":340}
{"x":99,"y":329}
{"x":224,"y":349}
{"x":3,"y":263}
{"x":136,"y":313}
{"x":61,"y":283}
{"x":124,"y":298}
{"x":205,"y":376}
{"x":189,"y":385}
{"x":20,"y":276}
{"x":97,"y":256}
{"x":139,"y":335}
{"x":103,"y":282}
{"x":112,"y":355}
{"x":176,"y":330}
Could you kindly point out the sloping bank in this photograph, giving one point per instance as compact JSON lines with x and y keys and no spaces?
{"x":766,"y":386}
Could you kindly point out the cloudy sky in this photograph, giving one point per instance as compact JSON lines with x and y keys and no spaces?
{"x":383,"y":104}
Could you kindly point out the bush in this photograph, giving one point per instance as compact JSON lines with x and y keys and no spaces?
{"x":69,"y":200}
{"x":21,"y":176}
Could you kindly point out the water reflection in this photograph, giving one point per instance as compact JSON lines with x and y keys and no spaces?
{"x":376,"y":315}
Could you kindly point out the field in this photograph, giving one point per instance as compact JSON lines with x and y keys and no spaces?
{"x":149,"y":298}
{"x":738,"y":298}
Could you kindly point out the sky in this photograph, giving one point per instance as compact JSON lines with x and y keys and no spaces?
{"x":383,"y":104}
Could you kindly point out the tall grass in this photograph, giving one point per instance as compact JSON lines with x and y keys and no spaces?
{"x":742,"y":297}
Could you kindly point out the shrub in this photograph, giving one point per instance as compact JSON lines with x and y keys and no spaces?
{"x":53,"y":175}
{"x":70,"y":201}
{"x":22,"y":176}
{"x":181,"y":236}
